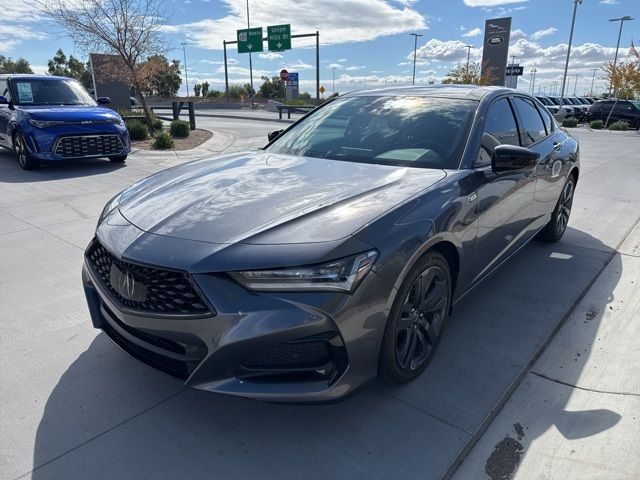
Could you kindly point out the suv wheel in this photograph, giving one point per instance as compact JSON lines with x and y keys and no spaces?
{"x":118,"y":159}
{"x":25,"y":159}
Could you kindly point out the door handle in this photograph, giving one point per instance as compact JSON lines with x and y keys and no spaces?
{"x":557,"y":146}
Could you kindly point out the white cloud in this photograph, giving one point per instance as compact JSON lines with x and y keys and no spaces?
{"x":362,"y":24}
{"x":543,"y":33}
{"x":299,"y":65}
{"x":472,"y":33}
{"x":337,"y":66}
{"x":609,"y":2}
{"x":448,"y":50}
{"x":270,"y":56}
{"x":490,"y":3}
{"x":342,"y":60}
{"x":517,"y":34}
{"x":354,"y":67}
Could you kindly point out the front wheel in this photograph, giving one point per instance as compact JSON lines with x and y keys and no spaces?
{"x":25,"y":159}
{"x":556,"y":227}
{"x":118,"y":159}
{"x":416,"y":320}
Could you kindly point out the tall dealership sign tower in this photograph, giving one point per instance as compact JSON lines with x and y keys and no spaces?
{"x":496,"y":49}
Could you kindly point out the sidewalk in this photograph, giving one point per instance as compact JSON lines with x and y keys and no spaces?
{"x":577,"y":413}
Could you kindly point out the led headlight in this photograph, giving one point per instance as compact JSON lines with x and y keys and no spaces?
{"x":45,"y":123}
{"x":342,"y":275}
{"x":109,"y":207}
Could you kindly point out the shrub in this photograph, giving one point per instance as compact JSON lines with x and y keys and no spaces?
{"x":157,"y":124}
{"x":180,"y":128}
{"x":619,"y":125}
{"x":570,"y":122}
{"x":596,"y":124}
{"x":163,"y":141}
{"x":137,"y":130}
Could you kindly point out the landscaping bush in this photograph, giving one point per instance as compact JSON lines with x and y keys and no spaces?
{"x":570,"y":122}
{"x":180,"y":128}
{"x":137,"y":130}
{"x":596,"y":124}
{"x":619,"y":125}
{"x":163,"y":141}
{"x":157,"y":124}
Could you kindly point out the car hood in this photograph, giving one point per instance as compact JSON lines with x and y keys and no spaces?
{"x":263,"y":198}
{"x":71,"y":113}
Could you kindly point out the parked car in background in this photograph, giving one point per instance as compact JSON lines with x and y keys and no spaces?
{"x":48,"y":118}
{"x":579,"y":108}
{"x":552,"y":107}
{"x":567,"y":108}
{"x":627,"y":110}
{"x":300,"y":271}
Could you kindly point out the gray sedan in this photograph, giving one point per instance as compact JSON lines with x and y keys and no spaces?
{"x":300,"y":271}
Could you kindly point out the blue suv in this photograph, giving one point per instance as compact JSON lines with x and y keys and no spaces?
{"x":45,"y":118}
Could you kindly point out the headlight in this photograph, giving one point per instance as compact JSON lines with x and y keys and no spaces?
{"x":45,"y":123}
{"x":342,"y":275}
{"x":108,"y":208}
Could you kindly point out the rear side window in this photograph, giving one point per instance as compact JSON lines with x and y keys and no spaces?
{"x":499,"y":128}
{"x":546,"y":118}
{"x":533,"y":128}
{"x":4,"y":89}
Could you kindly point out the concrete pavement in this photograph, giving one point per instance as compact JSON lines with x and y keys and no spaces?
{"x":73,"y":406}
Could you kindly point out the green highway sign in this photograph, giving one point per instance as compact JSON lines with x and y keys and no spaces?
{"x":279,"y":37}
{"x":250,"y":40}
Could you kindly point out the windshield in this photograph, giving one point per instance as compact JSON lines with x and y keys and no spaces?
{"x":545,"y":100}
{"x":554,"y":100}
{"x":55,"y":91}
{"x":635,"y":103}
{"x":390,"y":130}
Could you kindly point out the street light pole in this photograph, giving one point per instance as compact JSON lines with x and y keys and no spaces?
{"x":415,"y":48}
{"x":533,"y":80}
{"x":250,"y":62}
{"x":186,"y":74}
{"x":593,"y":79}
{"x":333,"y":90}
{"x":566,"y":63}
{"x":615,"y":58}
{"x":468,"y":47}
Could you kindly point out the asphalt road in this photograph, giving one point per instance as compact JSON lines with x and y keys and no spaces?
{"x":74,"y":406}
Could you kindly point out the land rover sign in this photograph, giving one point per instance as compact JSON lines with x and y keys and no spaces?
{"x":496,"y":49}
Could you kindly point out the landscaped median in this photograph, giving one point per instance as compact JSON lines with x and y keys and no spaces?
{"x":176,"y":135}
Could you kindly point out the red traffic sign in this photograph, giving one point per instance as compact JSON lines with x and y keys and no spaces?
{"x":284,"y":75}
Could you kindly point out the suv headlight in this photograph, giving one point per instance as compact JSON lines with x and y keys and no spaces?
{"x":342,"y":275}
{"x":45,"y":123}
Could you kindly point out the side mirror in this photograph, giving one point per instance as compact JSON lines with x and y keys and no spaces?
{"x":103,"y":100}
{"x":507,"y":158}
{"x":273,"y":135}
{"x":3,"y":100}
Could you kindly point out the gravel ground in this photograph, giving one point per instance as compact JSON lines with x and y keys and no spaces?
{"x":196,"y":138}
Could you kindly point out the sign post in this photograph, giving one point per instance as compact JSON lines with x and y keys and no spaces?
{"x":250,"y":40}
{"x":496,"y":48}
{"x":513,"y":72}
{"x":279,"y":38}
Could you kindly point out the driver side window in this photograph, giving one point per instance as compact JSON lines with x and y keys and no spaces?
{"x":499,"y":128}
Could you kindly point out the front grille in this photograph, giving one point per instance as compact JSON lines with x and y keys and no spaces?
{"x":84,"y":146}
{"x":158,"y":291}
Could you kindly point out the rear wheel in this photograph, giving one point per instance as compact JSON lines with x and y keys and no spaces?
{"x":556,"y":227}
{"x":25,"y":159}
{"x":416,"y":320}
{"x":118,"y":159}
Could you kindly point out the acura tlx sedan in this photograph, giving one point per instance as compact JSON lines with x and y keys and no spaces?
{"x":300,"y":271}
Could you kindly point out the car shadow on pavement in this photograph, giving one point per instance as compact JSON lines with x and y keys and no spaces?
{"x":109,"y":417}
{"x":10,"y":171}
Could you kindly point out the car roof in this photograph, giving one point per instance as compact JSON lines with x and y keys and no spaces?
{"x":33,"y":76}
{"x":471,"y":92}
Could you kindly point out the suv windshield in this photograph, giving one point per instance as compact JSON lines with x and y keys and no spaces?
{"x":55,"y":91}
{"x":390,"y":130}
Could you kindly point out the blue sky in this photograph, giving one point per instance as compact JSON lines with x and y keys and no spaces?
{"x":365,"y":42}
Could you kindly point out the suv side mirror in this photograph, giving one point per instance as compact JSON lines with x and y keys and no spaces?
{"x":273,"y":135}
{"x":507,"y":158}
{"x":3,"y":100}
{"x":103,"y":100}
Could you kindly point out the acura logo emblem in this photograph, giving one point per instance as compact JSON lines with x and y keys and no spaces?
{"x":127,"y":285}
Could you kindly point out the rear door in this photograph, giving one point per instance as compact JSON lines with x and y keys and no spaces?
{"x":504,"y":201}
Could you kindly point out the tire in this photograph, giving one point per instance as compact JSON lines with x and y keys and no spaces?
{"x":416,"y":320}
{"x":25,"y":159}
{"x":118,"y":159}
{"x":554,"y":230}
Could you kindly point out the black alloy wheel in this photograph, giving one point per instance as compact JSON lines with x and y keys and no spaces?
{"x":417,"y":320}
{"x":556,"y":227}
{"x":25,"y":160}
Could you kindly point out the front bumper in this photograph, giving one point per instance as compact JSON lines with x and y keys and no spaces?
{"x":218,"y":352}
{"x":43,"y":143}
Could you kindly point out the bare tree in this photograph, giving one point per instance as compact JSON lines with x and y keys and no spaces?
{"x":131,"y":29}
